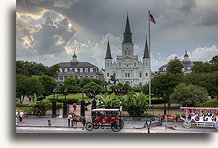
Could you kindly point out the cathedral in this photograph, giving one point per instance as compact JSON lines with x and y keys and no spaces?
{"x":128,"y":68}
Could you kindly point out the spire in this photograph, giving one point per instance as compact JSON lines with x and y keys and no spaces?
{"x":127,"y":38}
{"x":108,"y":52}
{"x":146,"y":53}
{"x":186,"y":53}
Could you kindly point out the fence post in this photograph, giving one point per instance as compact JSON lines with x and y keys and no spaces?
{"x":54,"y":108}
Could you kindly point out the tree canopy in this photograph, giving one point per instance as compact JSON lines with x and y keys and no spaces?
{"x":174,"y":66}
{"x":33,"y":68}
{"x":189,"y":94}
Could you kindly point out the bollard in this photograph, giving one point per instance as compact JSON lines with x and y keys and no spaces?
{"x":49,"y":123}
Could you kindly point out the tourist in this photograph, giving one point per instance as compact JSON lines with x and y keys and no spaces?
{"x":74,"y":107}
{"x":17,"y":114}
{"x":21,"y":115}
{"x":69,"y":118}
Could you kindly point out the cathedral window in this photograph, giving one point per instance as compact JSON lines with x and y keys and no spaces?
{"x":108,"y":74}
{"x":146,"y":74}
{"x":61,"y":78}
{"x":119,"y":64}
{"x":134,"y":63}
{"x":128,"y":74}
{"x":140,"y":75}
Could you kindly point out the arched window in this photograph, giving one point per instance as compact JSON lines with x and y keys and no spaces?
{"x":140,"y":74}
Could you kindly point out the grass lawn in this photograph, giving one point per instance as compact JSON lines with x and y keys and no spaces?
{"x":77,"y":96}
{"x":210,"y":103}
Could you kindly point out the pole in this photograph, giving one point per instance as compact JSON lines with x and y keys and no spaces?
{"x":149,"y":49}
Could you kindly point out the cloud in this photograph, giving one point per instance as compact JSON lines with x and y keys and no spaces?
{"x":50,"y":37}
{"x":203,"y":53}
{"x":66,"y":4}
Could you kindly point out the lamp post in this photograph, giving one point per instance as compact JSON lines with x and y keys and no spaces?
{"x":65,"y":104}
{"x":82,"y":108}
{"x":54,"y":91}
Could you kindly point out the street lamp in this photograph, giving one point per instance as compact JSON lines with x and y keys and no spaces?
{"x":65,"y":104}
{"x":82,"y":108}
{"x":54,"y":91}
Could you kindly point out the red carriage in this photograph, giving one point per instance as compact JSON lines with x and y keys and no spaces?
{"x":109,"y":120}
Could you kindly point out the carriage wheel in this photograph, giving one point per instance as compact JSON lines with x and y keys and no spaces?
{"x":89,"y":126}
{"x":187,"y":124}
{"x":122,"y":123}
{"x":216,"y":124}
{"x":116,"y":127}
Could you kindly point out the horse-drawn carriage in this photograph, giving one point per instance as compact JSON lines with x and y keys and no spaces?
{"x":196,"y":115}
{"x":106,"y":118}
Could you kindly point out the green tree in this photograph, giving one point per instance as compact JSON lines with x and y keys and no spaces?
{"x":163,"y":85}
{"x":206,"y":80}
{"x":21,"y":87}
{"x":92,"y":89}
{"x":174,"y":66}
{"x":214,"y":60}
{"x":201,"y":67}
{"x":85,"y":81}
{"x":71,"y":84}
{"x":36,"y":86}
{"x":48,"y":84}
{"x":188,"y":94}
{"x":52,"y":71}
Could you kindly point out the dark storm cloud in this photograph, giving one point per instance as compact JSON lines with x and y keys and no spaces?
{"x":181,"y":24}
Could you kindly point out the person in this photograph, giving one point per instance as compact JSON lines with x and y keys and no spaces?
{"x":21,"y":115}
{"x":69,"y":117}
{"x":17,"y":114}
{"x":74,"y":107}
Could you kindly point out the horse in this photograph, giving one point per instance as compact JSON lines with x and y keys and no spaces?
{"x":76,"y":118}
{"x":169,"y":118}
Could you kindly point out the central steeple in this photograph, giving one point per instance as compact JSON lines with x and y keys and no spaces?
{"x":127,"y":35}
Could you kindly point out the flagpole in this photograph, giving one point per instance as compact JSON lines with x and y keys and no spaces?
{"x":149,"y":47}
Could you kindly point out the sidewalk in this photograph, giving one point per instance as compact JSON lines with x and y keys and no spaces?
{"x":34,"y":121}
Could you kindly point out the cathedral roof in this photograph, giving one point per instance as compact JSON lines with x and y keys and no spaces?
{"x":146,"y":53}
{"x":127,"y":29}
{"x":108,"y":52}
{"x":127,"y":38}
{"x":76,"y":65}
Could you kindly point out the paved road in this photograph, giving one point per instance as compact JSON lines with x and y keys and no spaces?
{"x":34,"y":124}
{"x":159,"y":129}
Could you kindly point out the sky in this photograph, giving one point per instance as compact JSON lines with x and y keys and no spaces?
{"x":49,"y":31}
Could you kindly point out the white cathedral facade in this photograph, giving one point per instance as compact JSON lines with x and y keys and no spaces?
{"x":128,"y":68}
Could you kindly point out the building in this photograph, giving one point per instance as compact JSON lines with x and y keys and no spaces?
{"x":128,"y":68}
{"x":78,"y":70}
{"x":186,"y":62}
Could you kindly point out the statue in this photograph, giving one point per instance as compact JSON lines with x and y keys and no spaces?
{"x":113,"y":79}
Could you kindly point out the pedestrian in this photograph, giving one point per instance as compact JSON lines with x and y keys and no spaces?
{"x":17,"y":114}
{"x":69,"y":118}
{"x":21,"y":115}
{"x":74,"y":107}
